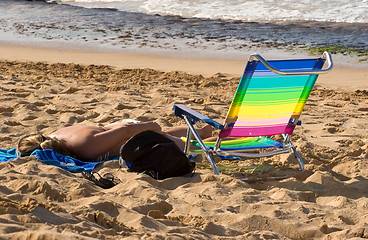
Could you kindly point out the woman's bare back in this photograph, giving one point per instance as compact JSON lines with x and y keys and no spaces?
{"x":90,"y":142}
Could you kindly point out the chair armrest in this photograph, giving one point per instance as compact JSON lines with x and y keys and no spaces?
{"x":180,"y":110}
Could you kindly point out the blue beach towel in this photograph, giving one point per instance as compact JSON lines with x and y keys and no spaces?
{"x":7,"y":155}
{"x":51,"y":157}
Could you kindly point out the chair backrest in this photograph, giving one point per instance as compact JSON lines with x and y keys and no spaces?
{"x":267,"y":103}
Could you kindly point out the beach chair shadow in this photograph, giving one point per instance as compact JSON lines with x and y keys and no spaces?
{"x":268,"y":102}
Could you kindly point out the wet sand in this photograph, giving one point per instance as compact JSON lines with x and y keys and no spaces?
{"x":43,"y":90}
{"x":347,"y":74}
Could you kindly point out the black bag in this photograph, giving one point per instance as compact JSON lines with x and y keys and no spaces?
{"x":156,"y":155}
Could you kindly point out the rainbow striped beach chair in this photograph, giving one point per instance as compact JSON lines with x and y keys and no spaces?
{"x":268,"y":101}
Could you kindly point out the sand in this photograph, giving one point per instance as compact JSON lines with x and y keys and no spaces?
{"x":38,"y":201}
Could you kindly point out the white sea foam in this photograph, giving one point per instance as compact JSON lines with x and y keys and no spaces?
{"x":351,"y":11}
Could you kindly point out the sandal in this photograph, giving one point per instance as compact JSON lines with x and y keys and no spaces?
{"x":107,"y":181}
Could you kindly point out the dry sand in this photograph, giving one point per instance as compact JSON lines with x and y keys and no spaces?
{"x":38,"y":201}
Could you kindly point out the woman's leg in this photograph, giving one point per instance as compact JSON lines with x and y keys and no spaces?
{"x":176,"y":133}
{"x":177,"y":141}
{"x":204,"y":132}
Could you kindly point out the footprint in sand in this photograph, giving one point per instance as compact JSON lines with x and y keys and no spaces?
{"x":12,"y":123}
{"x":70,"y":90}
{"x":91,"y":115}
{"x":67,"y":119}
{"x":6,"y":109}
{"x":93,"y":100}
{"x":332,"y":104}
{"x":363,"y":109}
{"x":121,"y":106}
{"x":161,"y":206}
{"x":22,"y":95}
{"x":51,"y":111}
{"x":211,"y":110}
{"x":32,"y":107}
{"x":40,"y":127}
{"x":331,"y":130}
{"x":30,"y":117}
{"x":39,"y":104}
{"x":79,"y":111}
{"x":4,"y":139}
{"x":106,"y":119}
{"x":156,"y":214}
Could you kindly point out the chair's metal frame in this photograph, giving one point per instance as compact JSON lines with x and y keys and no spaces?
{"x":209,"y":153}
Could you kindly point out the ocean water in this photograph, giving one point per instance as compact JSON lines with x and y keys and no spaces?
{"x":351,"y":11}
{"x":223,"y":28}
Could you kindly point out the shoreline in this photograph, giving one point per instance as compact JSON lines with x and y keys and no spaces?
{"x":357,"y":74}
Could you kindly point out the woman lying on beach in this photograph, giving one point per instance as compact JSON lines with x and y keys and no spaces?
{"x":98,"y":143}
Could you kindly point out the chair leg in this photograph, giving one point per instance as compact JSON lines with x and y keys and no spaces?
{"x":298,"y":157}
{"x":210,"y":158}
{"x":209,"y":155}
{"x":289,"y":144}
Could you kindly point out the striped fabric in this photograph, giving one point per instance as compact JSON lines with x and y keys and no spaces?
{"x":244,"y":143}
{"x":266,"y":103}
